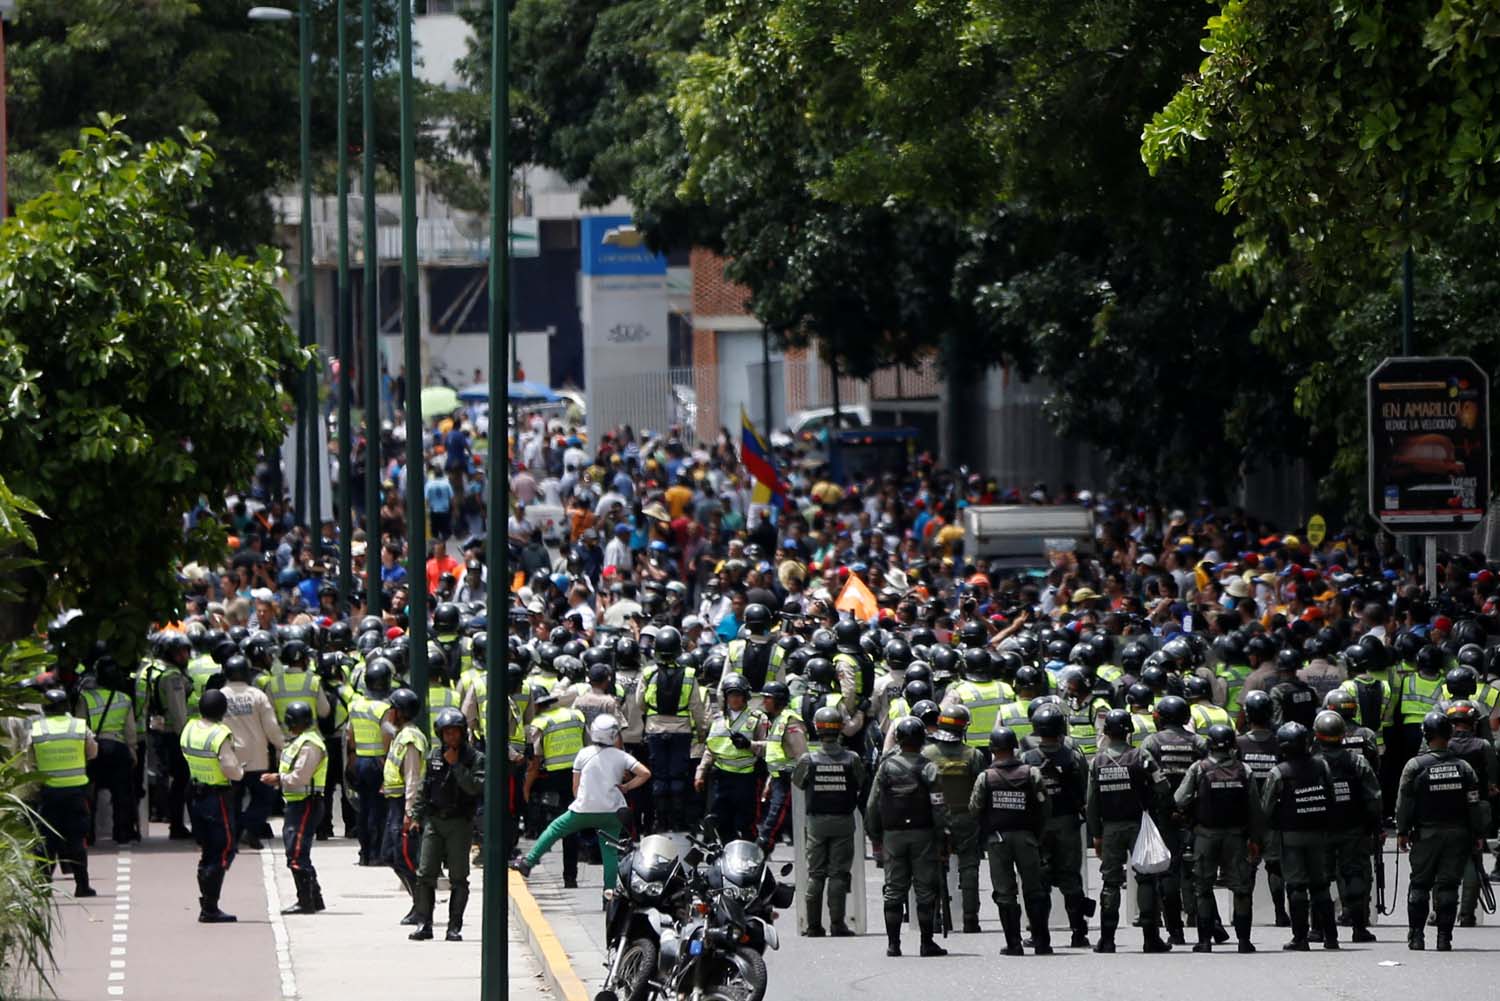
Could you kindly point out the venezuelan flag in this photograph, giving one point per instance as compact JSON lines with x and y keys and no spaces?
{"x":755,"y":454}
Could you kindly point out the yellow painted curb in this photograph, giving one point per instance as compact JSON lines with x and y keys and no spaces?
{"x":544,"y":942}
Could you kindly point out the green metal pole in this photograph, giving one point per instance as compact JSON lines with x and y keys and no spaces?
{"x":346,"y":328}
{"x":1407,"y":337}
{"x":494,"y":975}
{"x":309,"y":328}
{"x":371,"y":320}
{"x":416,"y":513}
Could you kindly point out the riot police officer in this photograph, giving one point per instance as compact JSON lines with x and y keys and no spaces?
{"x":1125,"y":783}
{"x":1065,"y":770}
{"x":959,"y":764}
{"x":1292,"y":699}
{"x":1257,"y":749}
{"x":1010,"y":800}
{"x":208,"y":748}
{"x":1297,"y":798}
{"x":1354,"y":820}
{"x":1469,"y":746}
{"x":302,"y":776}
{"x":61,"y":748}
{"x":452,"y":783}
{"x":1175,"y":749}
{"x":832,"y":776}
{"x":786,"y":741}
{"x":905,"y":816}
{"x":1220,"y":793}
{"x":1440,"y":819}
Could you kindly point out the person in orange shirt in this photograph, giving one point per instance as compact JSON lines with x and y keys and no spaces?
{"x":679,"y":495}
{"x":439,"y":563}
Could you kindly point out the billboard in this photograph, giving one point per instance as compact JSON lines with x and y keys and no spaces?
{"x":1429,"y":445}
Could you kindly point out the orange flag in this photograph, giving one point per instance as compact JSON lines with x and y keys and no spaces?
{"x":857,"y":600}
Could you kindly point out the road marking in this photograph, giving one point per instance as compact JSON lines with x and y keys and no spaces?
{"x":278,"y":925}
{"x":115,"y":981}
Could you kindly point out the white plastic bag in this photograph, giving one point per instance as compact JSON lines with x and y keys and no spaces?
{"x":1150,"y":856}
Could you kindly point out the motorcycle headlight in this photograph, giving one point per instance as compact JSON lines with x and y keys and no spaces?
{"x":641,"y":888}
{"x":744,"y":894}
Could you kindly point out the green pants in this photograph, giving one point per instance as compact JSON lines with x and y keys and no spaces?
{"x":445,"y":844}
{"x":830,"y":861}
{"x":1222,"y":851}
{"x":963,"y":844}
{"x":1349,"y":862}
{"x":1118,"y":839}
{"x":1304,"y":867}
{"x":572,"y":823}
{"x":1062,"y":855}
{"x":1439,"y":856}
{"x":1010,"y":854}
{"x":911,"y":862}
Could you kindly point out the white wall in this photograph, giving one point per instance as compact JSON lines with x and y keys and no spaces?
{"x":439,"y":41}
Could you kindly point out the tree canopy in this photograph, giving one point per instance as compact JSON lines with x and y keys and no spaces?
{"x":142,"y":371}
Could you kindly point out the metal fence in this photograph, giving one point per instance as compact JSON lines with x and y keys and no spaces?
{"x":651,"y":400}
{"x":809,"y":383}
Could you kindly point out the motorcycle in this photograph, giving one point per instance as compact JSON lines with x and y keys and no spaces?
{"x":717,"y":953}
{"x":651,"y":893}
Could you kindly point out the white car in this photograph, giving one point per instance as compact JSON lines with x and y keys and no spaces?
{"x":811,"y":427}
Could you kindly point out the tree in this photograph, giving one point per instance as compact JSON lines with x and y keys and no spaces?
{"x":141,"y":372}
{"x":174,"y":64}
{"x":1349,"y":132}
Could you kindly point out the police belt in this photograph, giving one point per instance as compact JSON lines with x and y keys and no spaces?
{"x":196,"y":789}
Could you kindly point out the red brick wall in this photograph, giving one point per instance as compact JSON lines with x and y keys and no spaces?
{"x":706,"y":379}
{"x":713,"y":294}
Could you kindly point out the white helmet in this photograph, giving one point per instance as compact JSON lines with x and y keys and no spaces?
{"x":604,"y":730}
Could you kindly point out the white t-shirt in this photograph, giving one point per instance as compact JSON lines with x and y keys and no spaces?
{"x":600,"y":772}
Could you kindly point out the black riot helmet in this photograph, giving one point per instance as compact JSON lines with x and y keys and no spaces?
{"x":1436,"y":726}
{"x":972,"y":634}
{"x":299,"y":715}
{"x":449,"y":718}
{"x":1118,"y":724}
{"x":1220,"y":737}
{"x":1291,"y":739}
{"x":952,"y":723}
{"x":1356,"y":659}
{"x":1288,"y":661}
{"x":820,"y":672}
{"x":1463,"y":712}
{"x":776,"y":692}
{"x":1132,"y":657}
{"x":757,"y":619}
{"x":1005,"y":664}
{"x":1084,"y":654}
{"x":944,"y":661}
{"x":406,"y":703}
{"x":668,"y":643}
{"x":1003,"y":739}
{"x":1461,"y":683}
{"x":212,"y":705}
{"x":1329,"y":727}
{"x":1030,"y":679}
{"x":237,"y":668}
{"x":339,"y":636}
{"x":1195,"y":686}
{"x":1058,"y":650}
{"x":828,"y":722}
{"x":917,"y":691}
{"x":446,"y":618}
{"x":917,"y":670}
{"x":437,"y":666}
{"x":1171,"y":711}
{"x":1406,"y":645}
{"x":1154,"y":678}
{"x":897,"y":655}
{"x":1049,"y":722}
{"x":55,"y":702}
{"x":977,"y":662}
{"x":910,"y":734}
{"x":627,"y":654}
{"x":1342,"y":702}
{"x":846,"y":634}
{"x":378,"y":673}
{"x":825,"y":643}
{"x":1258,"y":708}
{"x":926,"y":711}
{"x":1432,"y":660}
{"x":1139,"y":695}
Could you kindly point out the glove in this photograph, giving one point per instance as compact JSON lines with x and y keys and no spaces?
{"x":740,"y":740}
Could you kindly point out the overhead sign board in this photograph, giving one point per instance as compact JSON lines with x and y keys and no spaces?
{"x":1429,"y":458}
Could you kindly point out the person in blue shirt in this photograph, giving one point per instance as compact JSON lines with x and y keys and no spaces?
{"x":391,"y":570}
{"x":439,"y":494}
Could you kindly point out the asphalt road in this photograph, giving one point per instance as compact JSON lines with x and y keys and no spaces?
{"x":819,"y":969}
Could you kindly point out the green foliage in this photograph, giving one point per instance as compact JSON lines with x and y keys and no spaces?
{"x":141,"y":371}
{"x":171,"y":64}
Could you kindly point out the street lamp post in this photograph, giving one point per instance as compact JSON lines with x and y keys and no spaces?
{"x":416,"y":515}
{"x":494,"y":977}
{"x":346,"y":328}
{"x":371,"y":317}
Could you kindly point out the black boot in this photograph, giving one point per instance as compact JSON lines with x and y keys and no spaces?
{"x":1010,"y":921}
{"x":1278,"y":901}
{"x":1298,"y":907}
{"x":1205,"y":935}
{"x":81,"y":882}
{"x":1242,"y":932}
{"x":317,"y":894}
{"x":1036,"y":917}
{"x":423,"y":932}
{"x":208,"y":900}
{"x":1220,"y":934}
{"x":457,"y":901}
{"x":971,"y":924}
{"x":1445,"y":918}
{"x":1108,"y":922}
{"x":1416,"y":926}
{"x":1078,"y":923}
{"x":926,"y":922}
{"x":304,"y":899}
{"x":1151,"y":940}
{"x":1173,"y":920}
{"x":892,"y":929}
{"x":1329,"y":921}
